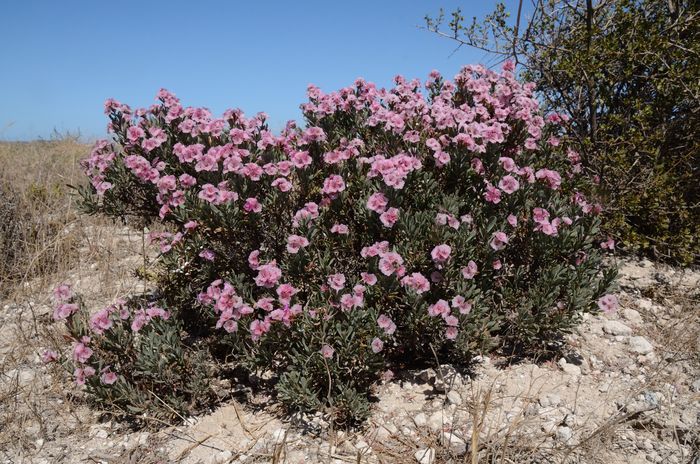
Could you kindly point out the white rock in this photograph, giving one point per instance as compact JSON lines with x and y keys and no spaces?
{"x":425,"y":456}
{"x":564,"y":434}
{"x":362,"y":446}
{"x":420,"y":420}
{"x":437,"y":420}
{"x":456,"y":444}
{"x":550,"y":400}
{"x":223,"y":457}
{"x":571,"y":369}
{"x":632,"y":315}
{"x":644,"y":303}
{"x":640,"y":345}
{"x":453,"y":397}
{"x":616,"y":328}
{"x":101,"y":434}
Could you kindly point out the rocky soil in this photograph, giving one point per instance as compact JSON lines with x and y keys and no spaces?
{"x":625,"y":388}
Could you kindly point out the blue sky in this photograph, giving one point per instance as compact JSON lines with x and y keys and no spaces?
{"x":62,"y":59}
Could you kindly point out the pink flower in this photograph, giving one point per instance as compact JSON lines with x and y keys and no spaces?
{"x":509,"y":184}
{"x":551,"y":178}
{"x":191,"y":225}
{"x":295,"y":243}
{"x":82,"y":373}
{"x":386,"y":323}
{"x":48,"y":356}
{"x":207,"y":254}
{"x":62,"y":293}
{"x":608,"y":303}
{"x":258,"y":328}
{"x":512,"y":220}
{"x":507,"y":164}
{"x":253,"y":259}
{"x":609,"y":244}
{"x":284,"y":185}
{"x":499,"y":240}
{"x":209,"y":193}
{"x":285,"y":292}
{"x":461,"y":304}
{"x":441,"y":253}
{"x":340,"y":229}
{"x":333,"y":184}
{"x":470,"y":270}
{"x":327,"y":351}
{"x":64,"y":310}
{"x":377,"y":345}
{"x":81,"y":353}
{"x":108,"y":377}
{"x":492,"y":195}
{"x":497,"y":264}
{"x":369,"y":279}
{"x":540,"y":215}
{"x":252,"y":205}
{"x":416,"y":281}
{"x":268,"y":275}
{"x":441,"y":308}
{"x":451,"y":333}
{"x":391,"y":262}
{"x":134,"y":133}
{"x":139,"y":321}
{"x":336,"y":281}
{"x":377,"y":202}
{"x":389,"y":217}
{"x":100,"y":321}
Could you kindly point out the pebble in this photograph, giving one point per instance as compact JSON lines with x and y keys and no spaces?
{"x":571,"y":369}
{"x":550,"y":400}
{"x":616,"y":328}
{"x":420,"y":420}
{"x":564,"y":434}
{"x":456,"y":444}
{"x":454,"y":398}
{"x":640,"y":345}
{"x":632,"y":315}
{"x":425,"y":456}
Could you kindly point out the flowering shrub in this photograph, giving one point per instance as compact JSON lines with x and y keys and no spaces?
{"x":394,"y":225}
{"x":130,"y":356}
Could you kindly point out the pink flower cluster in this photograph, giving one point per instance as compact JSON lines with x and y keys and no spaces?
{"x":314,"y":183}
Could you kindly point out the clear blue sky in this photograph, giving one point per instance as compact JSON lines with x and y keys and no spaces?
{"x":62,"y":59}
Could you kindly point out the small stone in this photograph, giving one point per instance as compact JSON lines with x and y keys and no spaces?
{"x":454,"y":398}
{"x":143,"y":438}
{"x":362,"y":446}
{"x":695,"y":386}
{"x":571,"y":369}
{"x":456,"y":444}
{"x":437,"y":421}
{"x":632,"y":315}
{"x":420,"y":420}
{"x":101,"y":434}
{"x":550,"y":400}
{"x":644,"y":303}
{"x":223,"y":457}
{"x":564,"y":434}
{"x":640,"y":345}
{"x":616,"y":328}
{"x":425,"y":456}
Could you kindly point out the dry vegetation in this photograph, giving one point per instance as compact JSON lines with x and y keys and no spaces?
{"x":499,"y":416}
{"x":38,"y":235}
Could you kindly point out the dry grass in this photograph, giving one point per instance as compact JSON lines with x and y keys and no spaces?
{"x":37,"y":212}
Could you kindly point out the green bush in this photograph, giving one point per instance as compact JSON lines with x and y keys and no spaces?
{"x":395,"y":227}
